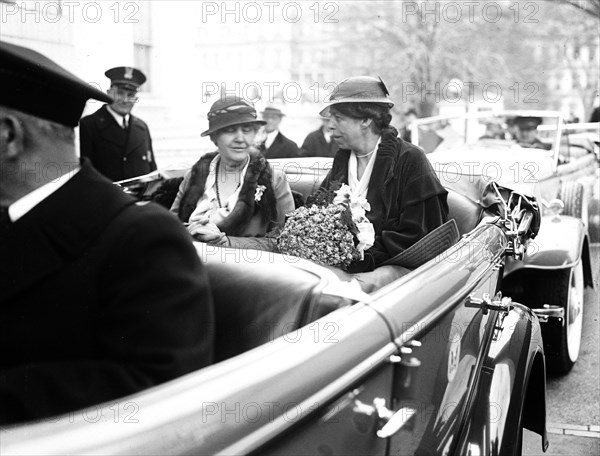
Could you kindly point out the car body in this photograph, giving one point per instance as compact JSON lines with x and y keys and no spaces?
{"x":470,"y":150}
{"x":309,"y":364}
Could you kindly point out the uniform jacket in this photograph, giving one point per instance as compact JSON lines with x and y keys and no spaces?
{"x":282,"y":147}
{"x":249,"y":218}
{"x":405,"y":195}
{"x":117,"y":153}
{"x":88,"y":310}
{"x":315,"y":145}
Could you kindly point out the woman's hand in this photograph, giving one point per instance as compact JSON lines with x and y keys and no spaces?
{"x":204,"y":231}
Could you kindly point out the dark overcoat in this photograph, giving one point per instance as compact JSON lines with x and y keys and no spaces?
{"x":99,"y":298}
{"x":115,"y":152}
{"x":315,"y":145}
{"x":405,"y":195}
{"x":282,"y":147}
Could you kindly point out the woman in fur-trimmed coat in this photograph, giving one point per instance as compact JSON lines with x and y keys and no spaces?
{"x":233,"y":197}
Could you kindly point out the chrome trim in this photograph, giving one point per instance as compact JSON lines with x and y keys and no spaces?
{"x":274,"y":428}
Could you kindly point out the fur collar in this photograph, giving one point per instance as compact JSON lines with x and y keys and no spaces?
{"x":258,"y":173}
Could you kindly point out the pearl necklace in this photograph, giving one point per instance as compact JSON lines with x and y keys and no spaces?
{"x":365,"y":155}
{"x":217,"y":184}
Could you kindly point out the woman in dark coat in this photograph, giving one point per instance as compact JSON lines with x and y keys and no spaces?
{"x":406,"y":198}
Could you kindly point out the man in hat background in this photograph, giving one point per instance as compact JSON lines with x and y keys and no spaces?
{"x":318,"y":143}
{"x":100,"y":297}
{"x":527,"y":132}
{"x":276,"y":145}
{"x":117,"y":143}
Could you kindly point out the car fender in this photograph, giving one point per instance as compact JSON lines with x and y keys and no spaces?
{"x":512,"y":387}
{"x":561,"y":243}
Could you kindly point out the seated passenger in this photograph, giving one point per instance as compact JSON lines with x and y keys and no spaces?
{"x":527,"y":133}
{"x":232,"y":197}
{"x":406,"y":198}
{"x":99,"y":297}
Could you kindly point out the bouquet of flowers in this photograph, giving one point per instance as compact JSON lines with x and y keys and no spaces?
{"x":332,"y":229}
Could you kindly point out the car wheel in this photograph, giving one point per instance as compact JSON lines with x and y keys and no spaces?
{"x":563,"y":288}
{"x":571,"y":193}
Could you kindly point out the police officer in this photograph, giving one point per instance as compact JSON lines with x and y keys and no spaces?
{"x":117,"y":143}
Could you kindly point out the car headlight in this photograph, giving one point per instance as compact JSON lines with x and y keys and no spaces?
{"x":555,"y":207}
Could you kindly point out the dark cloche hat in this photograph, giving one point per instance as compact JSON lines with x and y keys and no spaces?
{"x":528,"y":122}
{"x":359,"y":89}
{"x":126,"y":76}
{"x":230,"y":110}
{"x":34,"y":84}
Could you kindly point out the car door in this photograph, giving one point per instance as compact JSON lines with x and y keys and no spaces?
{"x":444,"y":333}
{"x":343,"y":417}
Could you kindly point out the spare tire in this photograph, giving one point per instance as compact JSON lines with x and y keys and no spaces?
{"x":571,"y":193}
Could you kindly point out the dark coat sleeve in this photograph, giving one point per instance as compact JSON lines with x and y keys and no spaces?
{"x":309,"y":146}
{"x":152,"y":160}
{"x":153,"y":323}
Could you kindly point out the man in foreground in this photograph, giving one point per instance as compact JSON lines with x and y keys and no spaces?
{"x":99,"y":297}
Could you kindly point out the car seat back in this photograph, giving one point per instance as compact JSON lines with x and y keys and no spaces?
{"x":257,"y":301}
{"x":464,"y":211}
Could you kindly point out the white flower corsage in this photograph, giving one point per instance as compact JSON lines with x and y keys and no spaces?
{"x":260,"y":189}
{"x":359,"y":206}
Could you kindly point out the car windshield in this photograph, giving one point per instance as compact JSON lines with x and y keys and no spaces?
{"x":532,"y":130}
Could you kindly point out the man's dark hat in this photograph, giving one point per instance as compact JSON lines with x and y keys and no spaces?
{"x":33,"y":84}
{"x":528,"y":122}
{"x":129,"y":77}
{"x":230,"y":110}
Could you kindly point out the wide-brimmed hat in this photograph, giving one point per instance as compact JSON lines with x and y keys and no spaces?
{"x":228,"y":111}
{"x":358,"y":89}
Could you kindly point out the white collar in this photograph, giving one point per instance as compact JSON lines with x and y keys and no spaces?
{"x":271,"y":138}
{"x":118,"y":117}
{"x":361,"y":187}
{"x":23,"y":205}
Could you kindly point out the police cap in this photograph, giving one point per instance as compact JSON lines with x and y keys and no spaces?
{"x":129,"y":77}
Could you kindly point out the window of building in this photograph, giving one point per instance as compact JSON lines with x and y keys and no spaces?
{"x":142,"y":44}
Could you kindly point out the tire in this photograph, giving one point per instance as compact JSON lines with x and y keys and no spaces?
{"x":571,"y":193}
{"x":562,"y":340}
